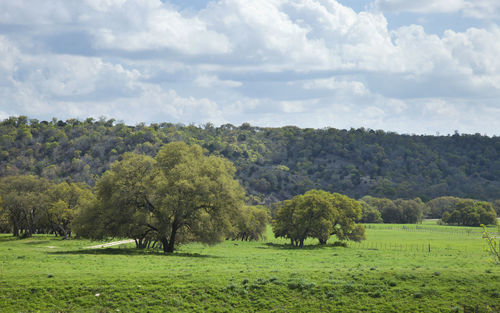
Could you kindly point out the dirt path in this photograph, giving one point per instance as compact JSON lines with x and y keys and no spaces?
{"x":109,"y":244}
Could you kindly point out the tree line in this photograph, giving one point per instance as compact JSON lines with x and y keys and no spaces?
{"x":450,"y":210}
{"x":184,"y":194}
{"x":179,"y":196}
{"x":272,"y":164}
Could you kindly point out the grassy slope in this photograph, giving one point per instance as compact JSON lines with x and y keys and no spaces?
{"x":48,"y":274}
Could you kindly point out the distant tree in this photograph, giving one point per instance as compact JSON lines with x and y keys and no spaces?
{"x":308,"y":215}
{"x":471,"y":213}
{"x":496,"y":206}
{"x":318,"y":214}
{"x":182,"y":195}
{"x":251,"y":223}
{"x":64,"y":201}
{"x":389,"y":211}
{"x":4,"y":219}
{"x":411,"y":210}
{"x":24,"y":201}
{"x":398,"y":211}
{"x":439,"y":205}
{"x":369,"y":213}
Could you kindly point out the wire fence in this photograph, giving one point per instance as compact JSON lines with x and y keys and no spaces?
{"x":424,"y":229}
{"x":427,"y":247}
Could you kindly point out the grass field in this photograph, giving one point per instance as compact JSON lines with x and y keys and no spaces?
{"x":387,"y":273}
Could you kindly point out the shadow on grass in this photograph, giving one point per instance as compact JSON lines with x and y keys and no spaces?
{"x":35,"y":242}
{"x":26,"y":240}
{"x":131,"y":252}
{"x":305,"y":247}
{"x":5,"y":238}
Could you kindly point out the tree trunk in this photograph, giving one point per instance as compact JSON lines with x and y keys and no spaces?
{"x":63,"y":232}
{"x":15,"y":232}
{"x":322,"y":242}
{"x":169,"y":248}
{"x":30,"y":223}
{"x":165,"y":244}
{"x":301,"y":243}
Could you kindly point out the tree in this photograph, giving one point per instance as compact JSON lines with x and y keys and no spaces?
{"x":4,"y":219}
{"x":389,"y":211}
{"x":369,"y":213}
{"x":344,"y":225}
{"x":121,"y":205}
{"x":64,"y":201}
{"x":496,"y":206}
{"x":411,"y":210}
{"x":469,"y":212}
{"x":182,"y":195}
{"x":24,"y":201}
{"x":308,"y":215}
{"x":318,"y":214}
{"x":439,"y":205}
{"x":251,"y":223}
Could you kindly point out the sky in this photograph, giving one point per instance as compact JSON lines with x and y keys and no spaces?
{"x":413,"y":67}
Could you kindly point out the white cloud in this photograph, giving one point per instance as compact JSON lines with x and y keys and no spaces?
{"x":209,"y":81}
{"x":354,"y":87}
{"x":423,"y":6}
{"x":154,"y":26}
{"x":480,"y":9}
{"x":441,"y":107}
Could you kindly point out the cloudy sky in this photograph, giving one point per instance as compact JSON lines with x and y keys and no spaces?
{"x":428,"y":66}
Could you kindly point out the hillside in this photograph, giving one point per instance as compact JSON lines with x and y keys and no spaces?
{"x":272,"y":163}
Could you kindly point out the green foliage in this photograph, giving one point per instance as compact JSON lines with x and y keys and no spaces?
{"x":4,"y":219}
{"x":273,"y":164}
{"x":369,"y":213}
{"x":25,"y":200}
{"x":399,"y":210}
{"x":180,"y":196}
{"x":36,"y":205}
{"x":471,"y":213}
{"x":493,"y":246}
{"x":440,"y":205}
{"x":65,"y":199}
{"x":251,"y":223}
{"x":318,"y":214}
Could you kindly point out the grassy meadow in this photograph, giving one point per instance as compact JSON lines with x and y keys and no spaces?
{"x":392,"y":271}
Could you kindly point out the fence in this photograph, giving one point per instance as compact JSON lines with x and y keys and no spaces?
{"x":424,"y":229}
{"x":374,"y":245}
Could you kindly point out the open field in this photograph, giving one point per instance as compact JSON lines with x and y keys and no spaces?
{"x":383,"y":274}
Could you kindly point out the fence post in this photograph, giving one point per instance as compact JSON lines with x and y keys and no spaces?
{"x":429,"y":247}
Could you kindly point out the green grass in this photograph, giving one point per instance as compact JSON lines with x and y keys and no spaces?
{"x":47,"y":274}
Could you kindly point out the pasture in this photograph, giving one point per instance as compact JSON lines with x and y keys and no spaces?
{"x":389,"y":272}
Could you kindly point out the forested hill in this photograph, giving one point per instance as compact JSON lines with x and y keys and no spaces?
{"x":272,"y":163}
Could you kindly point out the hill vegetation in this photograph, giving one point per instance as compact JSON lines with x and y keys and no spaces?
{"x":273,"y":164}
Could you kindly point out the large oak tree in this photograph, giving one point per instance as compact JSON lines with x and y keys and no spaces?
{"x":181,"y":195}
{"x":318,"y":214}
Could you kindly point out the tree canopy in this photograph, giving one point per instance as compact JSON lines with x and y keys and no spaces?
{"x":36,"y":205}
{"x":24,"y":200}
{"x":318,"y":214}
{"x":399,"y":211}
{"x":181,"y":195}
{"x":471,"y":213}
